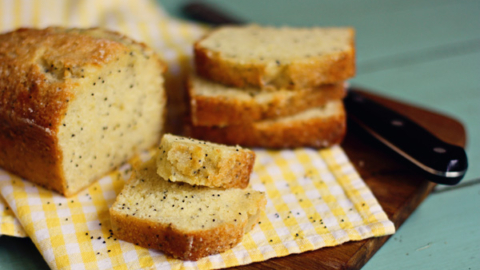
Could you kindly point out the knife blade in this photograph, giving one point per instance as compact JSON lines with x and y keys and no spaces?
{"x":443,"y":163}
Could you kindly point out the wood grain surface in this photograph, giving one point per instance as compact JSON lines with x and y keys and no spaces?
{"x":398,"y":186}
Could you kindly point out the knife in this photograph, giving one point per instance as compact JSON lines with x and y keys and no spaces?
{"x":442,"y":163}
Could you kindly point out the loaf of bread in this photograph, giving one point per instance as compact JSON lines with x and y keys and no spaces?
{"x":214,"y":104}
{"x":75,"y":103}
{"x":276,"y":58}
{"x":317,"y":127}
{"x":202,"y":163}
{"x":184,"y":221}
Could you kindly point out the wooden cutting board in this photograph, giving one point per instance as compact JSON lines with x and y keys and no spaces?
{"x":398,"y":187}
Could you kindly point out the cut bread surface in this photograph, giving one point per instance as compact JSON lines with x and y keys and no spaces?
{"x":214,"y":104}
{"x":184,"y":221}
{"x":317,"y":127}
{"x":91,"y":97}
{"x":275,"y":58}
{"x":204,"y":163}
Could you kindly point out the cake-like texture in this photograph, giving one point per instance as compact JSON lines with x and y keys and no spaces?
{"x":276,"y":58}
{"x":75,"y":103}
{"x":203,"y":163}
{"x":184,"y":221}
{"x":214,"y":104}
{"x":317,"y":127}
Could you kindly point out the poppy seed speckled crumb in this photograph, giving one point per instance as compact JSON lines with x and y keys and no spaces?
{"x":59,"y":83}
{"x":184,"y":221}
{"x":272,"y":58}
{"x":202,"y":163}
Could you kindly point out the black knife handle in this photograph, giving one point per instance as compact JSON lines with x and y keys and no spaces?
{"x":206,"y":13}
{"x":446,"y":163}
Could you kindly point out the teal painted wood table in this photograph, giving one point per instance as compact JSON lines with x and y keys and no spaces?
{"x":422,"y":52}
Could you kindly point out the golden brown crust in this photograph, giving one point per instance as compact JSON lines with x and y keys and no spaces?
{"x":222,"y":111}
{"x":26,"y":149}
{"x":240,"y":174}
{"x":183,"y":245}
{"x":39,"y":70}
{"x":296,"y":75}
{"x":179,"y":244}
{"x":315,"y":132}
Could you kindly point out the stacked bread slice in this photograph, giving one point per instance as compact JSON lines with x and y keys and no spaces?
{"x":191,"y":201}
{"x":271,"y":87}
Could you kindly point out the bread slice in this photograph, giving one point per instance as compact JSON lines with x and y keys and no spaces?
{"x":276,"y":58}
{"x":203,"y":163}
{"x":214,"y":104}
{"x":75,"y":103}
{"x":184,"y":221}
{"x":317,"y":127}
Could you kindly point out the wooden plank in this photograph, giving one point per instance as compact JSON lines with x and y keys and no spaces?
{"x":460,"y":24}
{"x":450,"y":85}
{"x":446,"y":235}
{"x":398,"y":187}
{"x":424,"y":52}
{"x":384,"y":28}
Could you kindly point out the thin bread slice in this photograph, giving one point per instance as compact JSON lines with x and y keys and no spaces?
{"x":214,"y":104}
{"x":202,"y":163}
{"x":184,"y":221}
{"x":317,"y":127}
{"x":276,"y":58}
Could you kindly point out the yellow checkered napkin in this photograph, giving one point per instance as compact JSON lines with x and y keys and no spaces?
{"x":9,"y":225}
{"x":315,"y":198}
